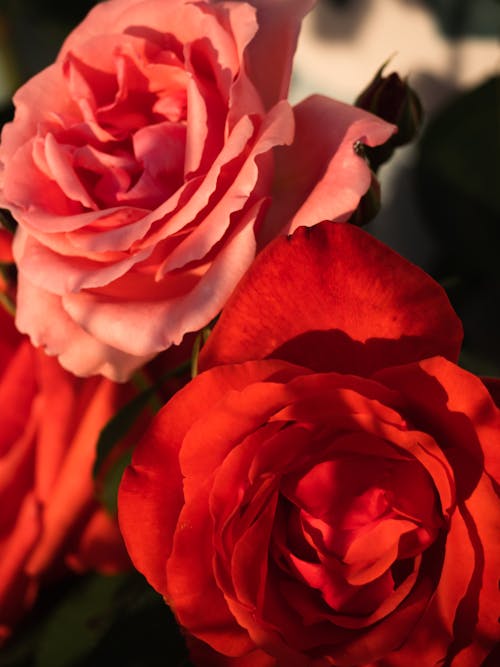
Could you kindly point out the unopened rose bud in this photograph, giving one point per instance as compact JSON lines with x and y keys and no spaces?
{"x":392,"y":99}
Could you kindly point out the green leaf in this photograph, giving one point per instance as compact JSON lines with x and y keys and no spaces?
{"x":79,"y":622}
{"x":121,"y":423}
{"x":98,"y":621}
{"x":144,"y":633}
{"x":118,"y":427}
{"x":199,"y":341}
{"x":108,"y":493}
{"x":8,"y":304}
{"x":19,"y":651}
{"x":458,"y":18}
{"x":458,"y":173}
{"x":108,"y":477}
{"x":458,"y":176}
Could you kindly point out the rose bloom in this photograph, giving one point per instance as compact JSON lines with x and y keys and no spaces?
{"x":50,"y":521}
{"x":140,"y":167}
{"x":326,"y":493}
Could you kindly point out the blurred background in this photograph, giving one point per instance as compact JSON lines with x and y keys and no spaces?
{"x":440,"y":208}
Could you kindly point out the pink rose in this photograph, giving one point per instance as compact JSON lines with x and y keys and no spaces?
{"x":140,"y":168}
{"x":50,"y":520}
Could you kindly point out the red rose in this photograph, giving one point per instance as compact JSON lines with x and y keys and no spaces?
{"x":49,"y":519}
{"x":333,"y":499}
{"x":140,"y":166}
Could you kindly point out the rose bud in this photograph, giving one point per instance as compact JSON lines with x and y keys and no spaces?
{"x":391,"y":98}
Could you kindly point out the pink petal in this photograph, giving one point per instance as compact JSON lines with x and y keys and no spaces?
{"x":144,"y":328}
{"x":321,"y":177}
{"x":235,"y":145}
{"x":39,"y":95}
{"x":41,"y":315}
{"x":270,"y":54}
{"x":62,"y":275}
{"x":60,"y":164}
{"x":276,"y":130}
{"x":116,"y":16}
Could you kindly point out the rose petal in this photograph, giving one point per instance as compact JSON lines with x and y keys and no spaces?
{"x":191,"y":582}
{"x":49,"y":325}
{"x":337,"y":279}
{"x":143,"y":495}
{"x":17,"y":589}
{"x":321,"y":177}
{"x":461,"y":414}
{"x":6,"y":239}
{"x":17,"y":390}
{"x":40,"y":94}
{"x":144,"y":328}
{"x":72,"y":491}
{"x":463,"y":617}
{"x":62,"y":275}
{"x":99,"y":546}
{"x":279,"y":24}
{"x":55,"y":434}
{"x":60,"y":165}
{"x":116,"y":16}
{"x":475,"y":629}
{"x":277,"y":129}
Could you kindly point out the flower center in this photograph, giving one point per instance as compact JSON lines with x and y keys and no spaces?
{"x":123,"y":140}
{"x":353,"y":525}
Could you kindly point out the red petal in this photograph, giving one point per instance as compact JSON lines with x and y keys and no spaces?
{"x":460,"y":627}
{"x":151,"y":489}
{"x":334,"y":298}
{"x":493,"y":386}
{"x":203,"y":655}
{"x":70,"y":495}
{"x":5,"y":246}
{"x":460,"y":414}
{"x":192,"y":588}
{"x":100,"y":546}
{"x":10,"y":338}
